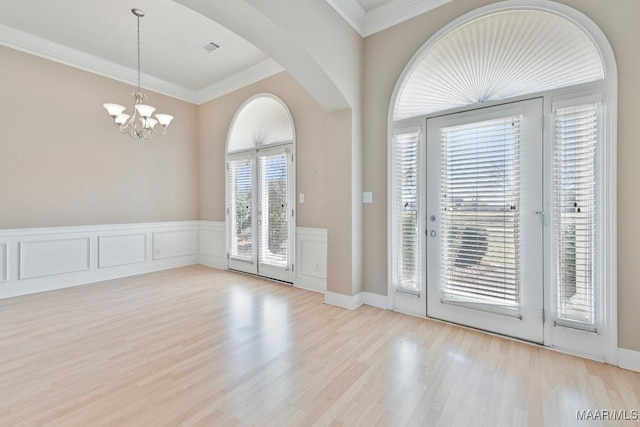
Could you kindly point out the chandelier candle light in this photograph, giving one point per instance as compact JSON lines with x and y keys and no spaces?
{"x":140,"y":125}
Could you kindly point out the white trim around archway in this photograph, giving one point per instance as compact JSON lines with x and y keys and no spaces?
{"x":607,"y":153}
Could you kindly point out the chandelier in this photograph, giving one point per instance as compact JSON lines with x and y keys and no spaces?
{"x":139,"y":125}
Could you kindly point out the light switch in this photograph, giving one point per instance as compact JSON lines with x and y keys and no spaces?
{"x":367,"y":197}
{"x":301,"y":197}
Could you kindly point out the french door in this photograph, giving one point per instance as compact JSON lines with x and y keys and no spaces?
{"x":260,"y":214}
{"x":484,"y":219}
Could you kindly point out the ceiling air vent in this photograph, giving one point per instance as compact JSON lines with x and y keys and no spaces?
{"x":209,"y":47}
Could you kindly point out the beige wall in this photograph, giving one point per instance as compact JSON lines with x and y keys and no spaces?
{"x":62,"y":162}
{"x":387,"y":52}
{"x":311,"y":173}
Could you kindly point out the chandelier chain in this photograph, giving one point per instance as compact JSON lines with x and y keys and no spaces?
{"x":138,"y":53}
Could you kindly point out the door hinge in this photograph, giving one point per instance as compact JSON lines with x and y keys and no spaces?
{"x":292,"y":214}
{"x":293,"y":268}
{"x":292,"y":157}
{"x":228,"y":255}
{"x":541,"y":213}
{"x":543,"y":122}
{"x":228,"y":211}
{"x":543,"y":316}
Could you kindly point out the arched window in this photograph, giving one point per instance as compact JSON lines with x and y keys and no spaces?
{"x":502,"y":177}
{"x":260,"y":189}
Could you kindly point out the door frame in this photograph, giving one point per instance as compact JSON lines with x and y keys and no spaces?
{"x":275,"y":273}
{"x":252,"y":153}
{"x":508,"y":322}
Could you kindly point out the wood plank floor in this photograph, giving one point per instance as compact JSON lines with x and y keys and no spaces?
{"x":197,"y":346}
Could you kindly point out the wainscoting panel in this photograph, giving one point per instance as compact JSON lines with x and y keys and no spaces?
{"x":41,"y":259}
{"x":173,"y":244}
{"x":212,"y":244}
{"x":121,"y":249}
{"x":311,"y":259}
{"x":51,"y":257}
{"x":4,"y":261}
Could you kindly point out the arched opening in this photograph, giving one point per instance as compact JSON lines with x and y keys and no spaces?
{"x":260,"y":189}
{"x":502,"y":178}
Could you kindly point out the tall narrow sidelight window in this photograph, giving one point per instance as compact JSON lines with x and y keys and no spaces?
{"x":405,"y":213}
{"x":576,"y":135}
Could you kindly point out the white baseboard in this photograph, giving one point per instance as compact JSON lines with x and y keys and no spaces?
{"x":212,"y":262}
{"x":343,"y":301}
{"x":629,"y":359}
{"x":375,"y":300}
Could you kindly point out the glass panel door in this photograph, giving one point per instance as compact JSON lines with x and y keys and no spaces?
{"x":484,"y":202}
{"x":261,"y":212}
{"x":240,"y":180}
{"x":275,"y":214}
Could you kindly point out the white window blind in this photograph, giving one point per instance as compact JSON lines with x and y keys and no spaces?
{"x":405,"y":253}
{"x":576,"y":135}
{"x":240,"y":209}
{"x":274,"y":216}
{"x":261,"y":121}
{"x":480,"y":193}
{"x":497,"y":57}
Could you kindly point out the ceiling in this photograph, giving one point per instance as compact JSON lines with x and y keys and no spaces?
{"x":101,"y":36}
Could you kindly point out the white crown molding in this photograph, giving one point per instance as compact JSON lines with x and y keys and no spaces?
{"x":47,"y":49}
{"x":397,"y":11}
{"x":38,"y":46}
{"x":384,"y":16}
{"x":352,"y":12}
{"x":255,"y":73}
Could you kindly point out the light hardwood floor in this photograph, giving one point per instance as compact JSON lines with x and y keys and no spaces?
{"x":197,"y":346}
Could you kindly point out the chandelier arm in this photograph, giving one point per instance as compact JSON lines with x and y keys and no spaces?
{"x":162,"y":131}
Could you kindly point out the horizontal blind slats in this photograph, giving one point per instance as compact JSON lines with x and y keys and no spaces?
{"x":576,"y":130}
{"x":274,"y":242}
{"x":479,"y":187}
{"x":240,"y":192}
{"x":406,"y":212}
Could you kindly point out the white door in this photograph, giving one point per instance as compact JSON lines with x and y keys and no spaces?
{"x":261,"y":213}
{"x":484,"y":219}
{"x":275,"y":212}
{"x":240,"y":213}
